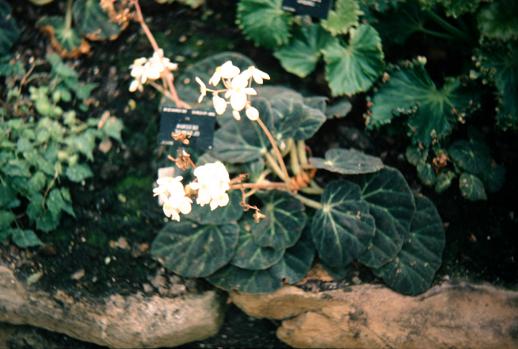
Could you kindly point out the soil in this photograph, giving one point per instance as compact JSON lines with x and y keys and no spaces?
{"x":105,"y":250}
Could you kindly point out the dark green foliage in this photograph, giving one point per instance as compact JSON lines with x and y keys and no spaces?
{"x":347,"y":162}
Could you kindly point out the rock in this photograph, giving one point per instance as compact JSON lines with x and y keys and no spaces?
{"x":118,"y":321}
{"x":459,"y":316}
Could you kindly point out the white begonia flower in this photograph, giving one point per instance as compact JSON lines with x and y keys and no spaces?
{"x":225,"y":71}
{"x":239,"y":92}
{"x":220,"y":104}
{"x":212,"y":183}
{"x":138,"y":73}
{"x":252,"y":113}
{"x":236,"y":115}
{"x":258,"y":75}
{"x":203,"y":89}
{"x":144,"y":69}
{"x":171,"y":195}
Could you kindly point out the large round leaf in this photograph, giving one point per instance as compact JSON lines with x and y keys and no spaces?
{"x":65,"y":40}
{"x":389,"y":191}
{"x":250,"y":255}
{"x":232,"y":278}
{"x":186,"y":85}
{"x":301,"y":55}
{"x":293,"y":119}
{"x":9,"y":31}
{"x":347,"y":162}
{"x":386,"y":243}
{"x":221,"y":215}
{"x":343,"y":228}
{"x":242,"y":141}
{"x":264,"y":21}
{"x":285,"y":219}
{"x":193,"y":250}
{"x":354,"y":68}
{"x":471,"y":156}
{"x":413,"y":270}
{"x":297,"y":260}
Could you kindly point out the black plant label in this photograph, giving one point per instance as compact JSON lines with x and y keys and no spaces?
{"x":313,"y":8}
{"x":187,"y":127}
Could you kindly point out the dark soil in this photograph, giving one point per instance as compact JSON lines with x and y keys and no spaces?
{"x":117,"y":217}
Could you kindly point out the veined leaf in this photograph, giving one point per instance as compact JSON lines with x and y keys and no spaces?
{"x":355,"y":67}
{"x":250,"y":255}
{"x":232,"y":278}
{"x":433,"y":111}
{"x":347,"y":162}
{"x":412,"y":271}
{"x":472,"y":187}
{"x":221,"y":215}
{"x":285,"y":219}
{"x":65,"y":40}
{"x":264,"y":21}
{"x":344,"y":16}
{"x":302,"y":54}
{"x":193,"y":250}
{"x":25,"y":238}
{"x":343,"y":228}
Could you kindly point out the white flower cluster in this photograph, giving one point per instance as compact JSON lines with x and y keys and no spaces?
{"x":212,"y":183}
{"x":237,"y":89}
{"x":149,"y":69}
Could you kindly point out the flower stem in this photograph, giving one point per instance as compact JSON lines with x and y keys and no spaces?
{"x":264,"y":185}
{"x":272,"y":164}
{"x":68,"y":14}
{"x":167,"y":75}
{"x":308,"y":202}
{"x":276,"y":150}
{"x":294,"y":158}
{"x":301,"y":150}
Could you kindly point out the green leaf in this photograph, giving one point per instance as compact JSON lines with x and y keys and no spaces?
{"x":301,"y":55}
{"x":250,"y":255}
{"x":264,"y":21}
{"x":83,"y":143}
{"x":387,"y":241}
{"x":500,"y":64}
{"x":400,"y":22}
{"x":78,"y":173}
{"x":499,"y":20}
{"x":343,"y":228}
{"x":339,"y":109}
{"x":355,"y":67}
{"x":413,"y":270}
{"x":426,"y":174}
{"x":471,"y":187}
{"x":444,"y":181}
{"x":9,"y":31}
{"x":414,"y":155}
{"x":221,"y":215}
{"x":471,"y":156}
{"x":456,"y":8}
{"x":344,"y":16}
{"x":91,"y":21}
{"x":242,"y":141}
{"x":6,"y":219}
{"x":347,"y":162}
{"x":37,"y":182}
{"x":297,"y":260}
{"x":25,"y":238}
{"x":194,"y":250}
{"x":411,"y":91}
{"x":495,"y":178}
{"x":293,"y":119}
{"x":113,"y":128}
{"x":190,"y":90}
{"x":66,"y":40}
{"x":7,"y":196}
{"x":56,"y":203}
{"x":285,"y":219}
{"x":388,"y":191}
{"x":232,"y":278}
{"x":47,"y":222}
{"x":5,"y":234}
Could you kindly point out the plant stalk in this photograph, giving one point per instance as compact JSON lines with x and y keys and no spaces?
{"x":276,"y":150}
{"x":308,"y":202}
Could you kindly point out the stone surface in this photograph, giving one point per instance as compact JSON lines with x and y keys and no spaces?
{"x":459,"y":316}
{"x":117,"y":322}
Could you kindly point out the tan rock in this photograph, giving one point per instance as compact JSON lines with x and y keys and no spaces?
{"x":117,"y":322}
{"x":459,"y":316}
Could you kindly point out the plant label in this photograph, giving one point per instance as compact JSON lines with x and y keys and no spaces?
{"x":187,"y":127}
{"x":313,"y":8}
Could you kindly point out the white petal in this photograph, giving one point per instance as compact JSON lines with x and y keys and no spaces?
{"x":134,"y":86}
{"x":236,"y":115}
{"x":238,"y":101}
{"x":250,"y":91}
{"x":252,"y":113}
{"x":229,"y":70}
{"x":216,"y":77}
{"x":220,"y":105}
{"x":239,"y":82}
